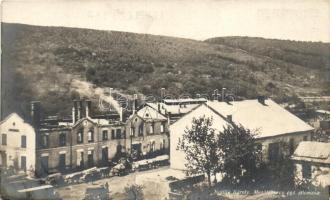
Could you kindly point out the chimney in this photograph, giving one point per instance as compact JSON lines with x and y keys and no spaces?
{"x":230,"y":118}
{"x":162,"y":94}
{"x":261,"y":99}
{"x":223,"y":92}
{"x":35,"y":114}
{"x":121,"y":113}
{"x":169,"y":118}
{"x":215,"y":94}
{"x":88,"y":104}
{"x":134,"y":103}
{"x":79,"y":108}
{"x":73,"y":115}
{"x":75,"y":108}
{"x":198,"y":96}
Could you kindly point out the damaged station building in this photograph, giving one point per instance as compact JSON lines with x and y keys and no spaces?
{"x":85,"y":141}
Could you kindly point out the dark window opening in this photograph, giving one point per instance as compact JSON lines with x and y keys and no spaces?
{"x":306,"y":170}
{"x":62,"y":139}
{"x":90,"y":158}
{"x":141,"y":129}
{"x":105,"y":155}
{"x":118,"y":133}
{"x":291,"y":146}
{"x":113,"y":134}
{"x":23,"y":163}
{"x":273,"y":151}
{"x":44,"y":165}
{"x":104,"y":135}
{"x":23,"y":141}
{"x":4,"y":139}
{"x":62,"y":162}
{"x":45,"y":141}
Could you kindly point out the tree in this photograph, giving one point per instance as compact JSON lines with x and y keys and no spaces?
{"x":281,"y":172}
{"x":200,"y":146}
{"x":239,"y":153}
{"x":134,"y":192}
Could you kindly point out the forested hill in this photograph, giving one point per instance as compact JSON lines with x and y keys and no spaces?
{"x":314,"y":55}
{"x":42,"y":63}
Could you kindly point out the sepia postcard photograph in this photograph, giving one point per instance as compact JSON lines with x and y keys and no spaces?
{"x":165,"y":100}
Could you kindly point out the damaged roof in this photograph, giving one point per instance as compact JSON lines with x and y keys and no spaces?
{"x":149,"y":113}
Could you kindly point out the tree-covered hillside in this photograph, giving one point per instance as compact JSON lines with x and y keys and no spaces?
{"x":41,"y":63}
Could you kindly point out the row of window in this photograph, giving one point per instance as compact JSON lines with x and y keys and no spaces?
{"x":149,"y":131}
{"x":4,"y":140}
{"x":115,"y":134}
{"x":79,"y":161}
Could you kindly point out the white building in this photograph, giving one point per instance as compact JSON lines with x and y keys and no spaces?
{"x":312,"y":162}
{"x":17,"y":144}
{"x":273,"y":124}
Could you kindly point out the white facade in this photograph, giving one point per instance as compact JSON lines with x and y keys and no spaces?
{"x":17,"y":144}
{"x":273,"y":124}
{"x":177,"y":157}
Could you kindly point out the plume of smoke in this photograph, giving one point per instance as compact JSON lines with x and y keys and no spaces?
{"x":86,"y":89}
{"x":107,"y":98}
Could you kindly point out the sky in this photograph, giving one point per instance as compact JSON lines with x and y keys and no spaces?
{"x":306,"y":20}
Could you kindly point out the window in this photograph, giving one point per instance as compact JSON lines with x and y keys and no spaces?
{"x":113,"y":134}
{"x":132,"y":133}
{"x":90,"y":136}
{"x":141,"y":129}
{"x":105,"y":135}
{"x":305,"y":138}
{"x":105,"y":155}
{"x":62,"y":164}
{"x":4,"y":139}
{"x":80,"y":137}
{"x":62,"y":139}
{"x":80,"y":159}
{"x":23,"y":141}
{"x":118,"y":133}
{"x":273,"y":151}
{"x":162,"y":128}
{"x":90,"y":158}
{"x":45,"y":141}
{"x":44,"y":165}
{"x":23,"y":163}
{"x":306,"y":170}
{"x":151,"y":130}
{"x":291,"y":146}
{"x":152,"y":146}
